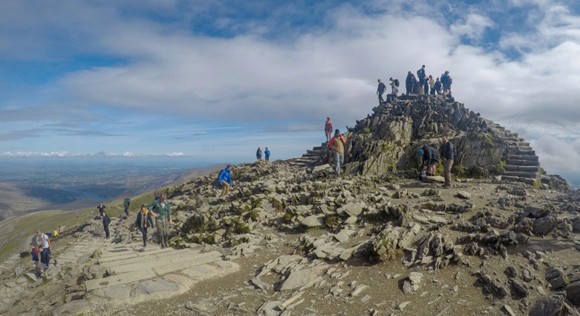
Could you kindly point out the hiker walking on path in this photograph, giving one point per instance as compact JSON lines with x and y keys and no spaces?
{"x":430,"y":159}
{"x":101,"y":207}
{"x":259,"y":154}
{"x":449,"y":153}
{"x":225,"y":180}
{"x":35,"y":257}
{"x":44,"y":241}
{"x":336,"y":144}
{"x":44,"y":254}
{"x":143,"y":222}
{"x":380,"y":91}
{"x":328,"y":129}
{"x":106,"y":222}
{"x":126,"y":204}
{"x":162,"y":214}
{"x":267,"y":154}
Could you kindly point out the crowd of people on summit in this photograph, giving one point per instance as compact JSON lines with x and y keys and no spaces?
{"x":421,"y":84}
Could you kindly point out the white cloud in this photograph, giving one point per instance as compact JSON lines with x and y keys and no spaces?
{"x":330,"y":69}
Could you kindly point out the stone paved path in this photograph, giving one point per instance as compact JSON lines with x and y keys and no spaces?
{"x":138,"y":275}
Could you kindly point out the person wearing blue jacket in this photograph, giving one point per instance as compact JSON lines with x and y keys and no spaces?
{"x":225,"y":180}
{"x":267,"y":154}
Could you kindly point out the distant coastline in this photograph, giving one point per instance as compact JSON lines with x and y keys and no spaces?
{"x":67,"y":183}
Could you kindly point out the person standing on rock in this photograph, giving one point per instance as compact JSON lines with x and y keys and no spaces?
{"x":410,"y":83}
{"x":328,"y":129}
{"x":225,"y":180}
{"x":143,"y":222}
{"x":380,"y":91}
{"x":101,"y":207}
{"x":394,"y":90}
{"x":44,"y":254}
{"x":106,"y":222}
{"x":448,"y":152}
{"x":446,"y":82}
{"x":336,"y":144}
{"x":431,"y":85}
{"x":126,"y":204}
{"x":163,"y":219}
{"x":437,"y":87}
{"x":267,"y":154}
{"x":421,"y":75}
{"x":259,"y":154}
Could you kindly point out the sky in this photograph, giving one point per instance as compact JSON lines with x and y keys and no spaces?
{"x":216,"y":79}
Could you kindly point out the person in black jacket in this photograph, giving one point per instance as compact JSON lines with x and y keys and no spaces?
{"x":143,"y":222}
{"x":410,"y":83}
{"x":448,"y":152}
{"x":106,"y":222}
{"x":430,"y":159}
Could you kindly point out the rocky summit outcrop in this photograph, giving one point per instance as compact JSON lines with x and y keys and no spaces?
{"x":388,"y":140}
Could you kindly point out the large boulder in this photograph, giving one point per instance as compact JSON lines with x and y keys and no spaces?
{"x":543,"y":226}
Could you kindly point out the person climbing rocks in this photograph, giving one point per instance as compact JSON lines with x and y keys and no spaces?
{"x":410,"y":83}
{"x":328,"y":129}
{"x":380,"y":91}
{"x":259,"y":154}
{"x":267,"y":154}
{"x":35,"y":258}
{"x":225,"y":180}
{"x":163,"y":219}
{"x":430,"y":159}
{"x":336,"y":144}
{"x":126,"y":204}
{"x":143,"y":222}
{"x":394,"y":90}
{"x":421,"y":75}
{"x":106,"y":222}
{"x":446,"y":81}
{"x":44,"y":254}
{"x":449,"y":153}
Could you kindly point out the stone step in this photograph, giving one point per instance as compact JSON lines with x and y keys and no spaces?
{"x":512,"y":157}
{"x":523,"y":163}
{"x":521,"y":168}
{"x":173,"y":261}
{"x":518,"y":179}
{"x":522,"y":152}
{"x":314,"y":152}
{"x":109,"y":257}
{"x":521,"y":174}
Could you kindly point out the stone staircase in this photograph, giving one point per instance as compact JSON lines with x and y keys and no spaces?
{"x":139,"y":274}
{"x":310,"y":158}
{"x":522,"y":163}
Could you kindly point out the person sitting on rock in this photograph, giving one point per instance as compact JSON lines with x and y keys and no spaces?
{"x":143,"y":222}
{"x":336,"y":144}
{"x":430,"y":159}
{"x":225,"y":180}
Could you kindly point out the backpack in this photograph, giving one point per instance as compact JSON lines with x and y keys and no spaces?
{"x":396,"y":81}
